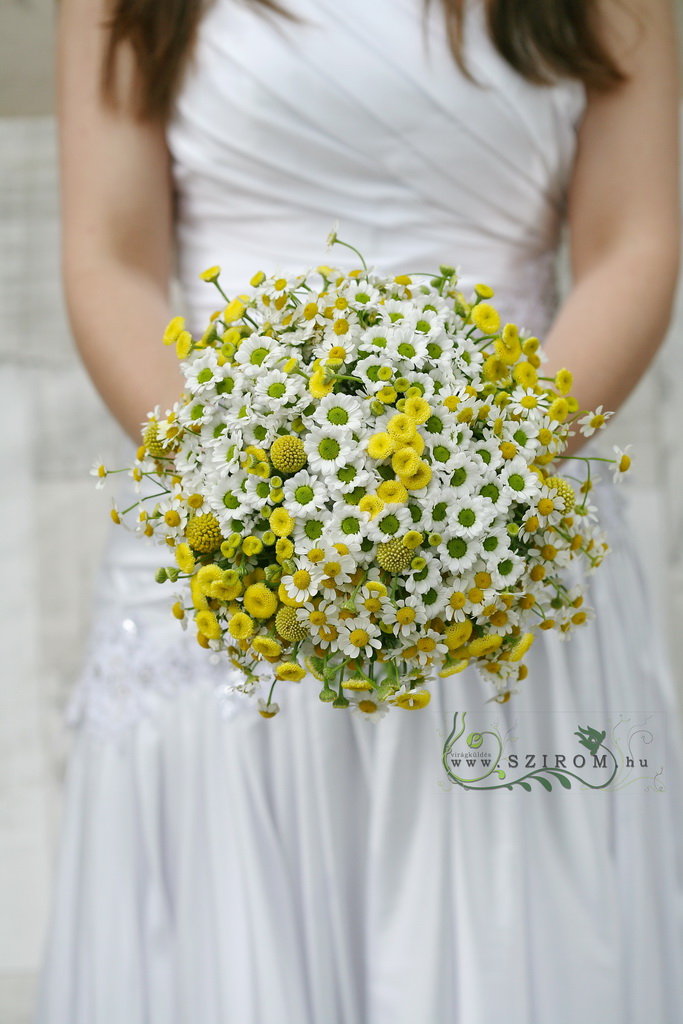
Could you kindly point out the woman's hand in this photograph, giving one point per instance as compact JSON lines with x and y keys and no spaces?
{"x":117,"y":225}
{"x":623,"y":214}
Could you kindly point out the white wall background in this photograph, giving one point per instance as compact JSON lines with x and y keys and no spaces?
{"x":52,"y":521}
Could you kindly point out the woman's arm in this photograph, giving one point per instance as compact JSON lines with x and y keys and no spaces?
{"x":624,"y":214}
{"x":117,"y":226}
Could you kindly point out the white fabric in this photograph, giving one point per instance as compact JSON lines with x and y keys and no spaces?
{"x":217,"y":868}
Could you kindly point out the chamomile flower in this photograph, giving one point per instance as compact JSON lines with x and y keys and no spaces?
{"x":622,"y":463}
{"x":593,"y":421}
{"x":359,"y":636}
{"x":275,"y":388}
{"x":99,"y":470}
{"x":302,"y":584}
{"x":304,"y":494}
{"x":520,"y":483}
{"x":365,"y":704}
{"x":393,"y":520}
{"x":339,"y":411}
{"x":405,"y":616}
{"x":469,"y":516}
{"x":328,"y":448}
{"x":336,"y":568}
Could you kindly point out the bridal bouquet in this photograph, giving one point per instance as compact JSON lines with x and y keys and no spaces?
{"x":360,"y":482}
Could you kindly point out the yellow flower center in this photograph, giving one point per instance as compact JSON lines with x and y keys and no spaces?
{"x":405,"y":616}
{"x":359,"y":637}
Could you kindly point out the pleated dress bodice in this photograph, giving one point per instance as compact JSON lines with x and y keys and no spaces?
{"x":357,"y":112}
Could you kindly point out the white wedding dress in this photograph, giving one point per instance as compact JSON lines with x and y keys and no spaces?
{"x":218,"y":868}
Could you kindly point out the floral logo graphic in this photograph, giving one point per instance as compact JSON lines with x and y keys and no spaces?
{"x":583,"y":757}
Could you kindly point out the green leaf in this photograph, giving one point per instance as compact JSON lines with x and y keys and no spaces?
{"x":525,"y":785}
{"x":564,"y":781}
{"x":544,"y":782}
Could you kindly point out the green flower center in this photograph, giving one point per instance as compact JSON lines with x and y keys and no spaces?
{"x":457,"y":547}
{"x":338,"y":416}
{"x":257,"y":356}
{"x":205,"y":375}
{"x":434,"y":350}
{"x":350,"y":525}
{"x":490,"y":491}
{"x":459,"y":477}
{"x":389,"y":524}
{"x":346,"y":474}
{"x":441,"y":453}
{"x":505,"y":567}
{"x":406,"y":349}
{"x":276,"y":390}
{"x":516,"y":482}
{"x":230,"y":500}
{"x":466,"y":517}
{"x":263,"y":490}
{"x":434,"y":425}
{"x":520,"y":437}
{"x":439,"y":512}
{"x":485,"y":455}
{"x":304,"y":494}
{"x":328,"y":448}
{"x":354,"y":496}
{"x":313,"y":529}
{"x":490,"y":544}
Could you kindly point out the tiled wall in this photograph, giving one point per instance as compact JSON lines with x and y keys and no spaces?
{"x":53,"y":524}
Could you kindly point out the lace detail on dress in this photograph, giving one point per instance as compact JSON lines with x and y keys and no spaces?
{"x":129,"y":667}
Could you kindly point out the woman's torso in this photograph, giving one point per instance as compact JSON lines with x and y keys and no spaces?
{"x":282,"y":128}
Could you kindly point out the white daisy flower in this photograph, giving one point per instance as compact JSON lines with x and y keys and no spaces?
{"x":351,"y":475}
{"x":469,"y":516}
{"x":524,"y":436}
{"x":276,"y":388}
{"x":328,"y":448}
{"x":521,"y":484}
{"x":259,"y":353}
{"x":203,"y":373}
{"x":359,"y":636}
{"x":341,"y":411}
{"x":335,"y":569}
{"x":305,"y":494}
{"x":99,"y":470}
{"x":301,"y":585}
{"x":623,"y":462}
{"x":349,"y":524}
{"x":506,"y":570}
{"x":404,"y":616}
{"x":488,"y":450}
{"x":364,"y":704}
{"x":466,"y":475}
{"x":393,"y":521}
{"x":593,"y":421}
{"x":418,"y":582}
{"x":173,"y":516}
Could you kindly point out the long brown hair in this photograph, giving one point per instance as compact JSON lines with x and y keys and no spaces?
{"x":542,"y":39}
